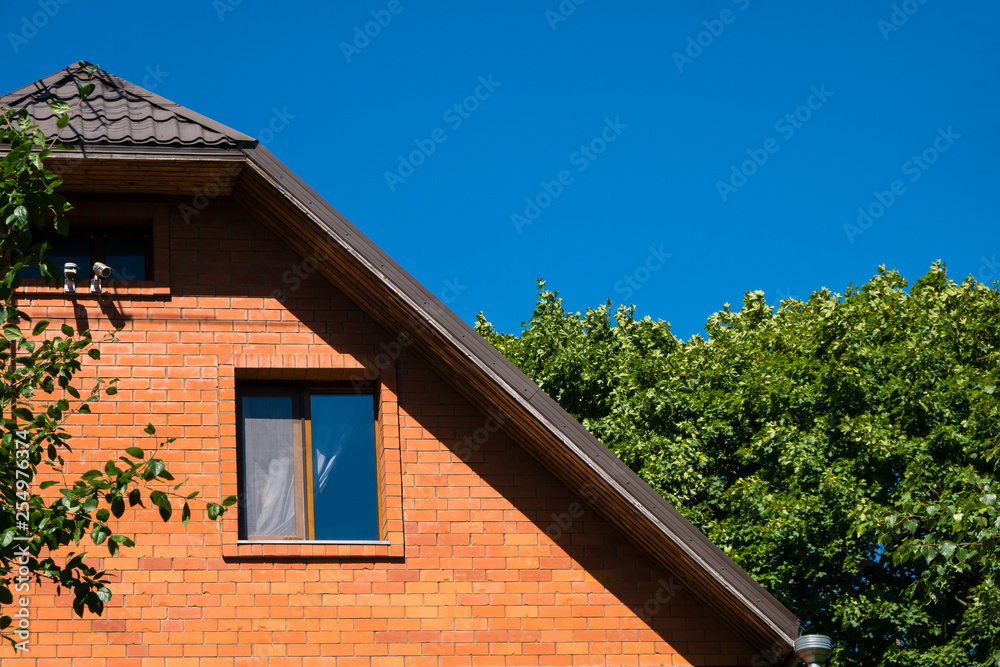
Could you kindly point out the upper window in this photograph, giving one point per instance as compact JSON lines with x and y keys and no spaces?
{"x":127,"y":252}
{"x":307,"y":467}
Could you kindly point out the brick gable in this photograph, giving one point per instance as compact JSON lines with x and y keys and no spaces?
{"x":499,"y":562}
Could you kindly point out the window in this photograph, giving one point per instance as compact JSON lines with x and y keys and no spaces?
{"x":307,"y":464}
{"x":296,"y":383}
{"x":127,"y":252}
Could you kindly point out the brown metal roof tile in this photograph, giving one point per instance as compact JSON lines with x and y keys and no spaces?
{"x":117,"y":112}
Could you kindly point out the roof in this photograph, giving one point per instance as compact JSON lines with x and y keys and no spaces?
{"x":117,"y":112}
{"x":392,"y":297}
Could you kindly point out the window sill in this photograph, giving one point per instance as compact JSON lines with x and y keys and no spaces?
{"x":297,"y":549}
{"x":376,"y":542}
{"x":37,"y":288}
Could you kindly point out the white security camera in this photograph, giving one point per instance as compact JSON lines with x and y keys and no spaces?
{"x":69,"y":277}
{"x":101,"y":270}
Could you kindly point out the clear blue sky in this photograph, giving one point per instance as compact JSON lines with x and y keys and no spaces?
{"x":924,"y":83}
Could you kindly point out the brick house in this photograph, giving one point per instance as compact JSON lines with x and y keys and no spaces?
{"x":301,"y":368}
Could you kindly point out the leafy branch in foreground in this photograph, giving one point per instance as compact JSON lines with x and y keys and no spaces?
{"x":38,"y":397}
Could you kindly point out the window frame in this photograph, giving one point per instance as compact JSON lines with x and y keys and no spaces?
{"x":315,"y":368}
{"x":300,"y":393}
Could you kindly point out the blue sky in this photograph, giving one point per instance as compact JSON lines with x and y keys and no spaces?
{"x":671,"y":155}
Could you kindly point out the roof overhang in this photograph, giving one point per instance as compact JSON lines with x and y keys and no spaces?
{"x":147,"y":170}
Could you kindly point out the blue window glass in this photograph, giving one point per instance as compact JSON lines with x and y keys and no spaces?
{"x":123,"y":251}
{"x":61,"y":251}
{"x":345,"y":492}
{"x":127,"y":257}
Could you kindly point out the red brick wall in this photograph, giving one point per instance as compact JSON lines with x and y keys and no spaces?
{"x":499,"y":563}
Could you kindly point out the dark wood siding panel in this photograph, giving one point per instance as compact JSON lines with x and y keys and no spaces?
{"x":157,"y":174}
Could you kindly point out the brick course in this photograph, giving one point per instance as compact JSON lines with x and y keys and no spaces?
{"x":494,"y":561}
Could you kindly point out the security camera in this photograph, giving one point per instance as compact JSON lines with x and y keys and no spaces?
{"x":101,"y":270}
{"x":69,"y":277}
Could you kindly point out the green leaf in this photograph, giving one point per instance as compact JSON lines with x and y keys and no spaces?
{"x":94,"y":353}
{"x":135,"y":452}
{"x":20,"y":215}
{"x":214,"y":511}
{"x":59,"y":107}
{"x":229,"y":501}
{"x":155,"y":467}
{"x":150,"y":429}
{"x":23,"y":413}
{"x":161,"y":500}
{"x":104,"y":594}
{"x":40,"y":327}
{"x":62,"y":122}
{"x":103,"y":515}
{"x":66,"y":329}
{"x":185,"y":514}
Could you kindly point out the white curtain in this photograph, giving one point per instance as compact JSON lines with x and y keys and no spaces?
{"x":269,"y":462}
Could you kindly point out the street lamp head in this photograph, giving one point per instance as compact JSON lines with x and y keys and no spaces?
{"x":813,"y":649}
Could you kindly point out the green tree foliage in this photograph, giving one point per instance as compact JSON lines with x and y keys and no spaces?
{"x":38,"y":394}
{"x":843,"y":450}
